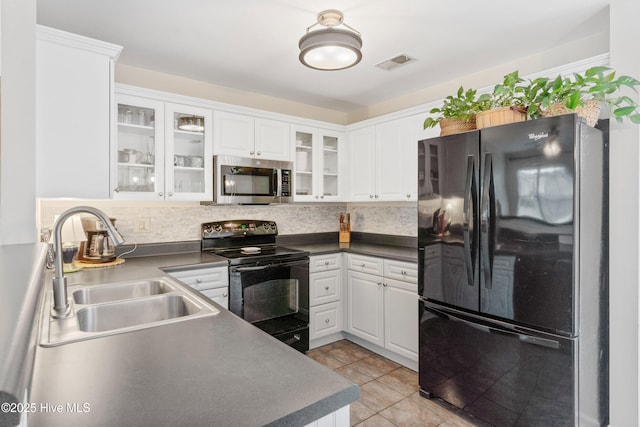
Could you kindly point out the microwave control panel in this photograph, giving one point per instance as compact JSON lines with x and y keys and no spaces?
{"x":286,"y":183}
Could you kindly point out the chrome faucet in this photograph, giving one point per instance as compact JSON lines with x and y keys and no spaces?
{"x":61,"y":307}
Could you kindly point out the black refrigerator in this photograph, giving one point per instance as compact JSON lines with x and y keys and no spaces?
{"x":513,"y":272}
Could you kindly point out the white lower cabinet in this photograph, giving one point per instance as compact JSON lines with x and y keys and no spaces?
{"x":325,"y":295}
{"x":365,"y":313}
{"x":212,"y":282}
{"x":383,"y":308}
{"x":339,"y":418}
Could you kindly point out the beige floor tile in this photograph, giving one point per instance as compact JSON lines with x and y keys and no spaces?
{"x":359,"y":413}
{"x":353,"y":374}
{"x":451,"y":418}
{"x":377,"y":396}
{"x":384,"y":387}
{"x":328,"y":361}
{"x":349,"y":353}
{"x":375,"y":366}
{"x":376,"y":421}
{"x":410,"y":413}
{"x":402,"y":380}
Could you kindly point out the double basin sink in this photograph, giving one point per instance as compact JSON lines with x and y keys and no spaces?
{"x":115,"y":308}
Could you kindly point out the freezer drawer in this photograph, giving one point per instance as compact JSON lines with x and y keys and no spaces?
{"x":501,"y":376}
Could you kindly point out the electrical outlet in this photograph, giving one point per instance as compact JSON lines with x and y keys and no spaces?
{"x":142,"y":225}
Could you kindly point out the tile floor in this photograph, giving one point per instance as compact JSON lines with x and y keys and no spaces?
{"x":388,"y":391}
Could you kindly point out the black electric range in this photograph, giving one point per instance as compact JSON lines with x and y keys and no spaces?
{"x":268,"y":283}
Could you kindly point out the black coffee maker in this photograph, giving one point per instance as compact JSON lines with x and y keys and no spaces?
{"x":98,"y":248}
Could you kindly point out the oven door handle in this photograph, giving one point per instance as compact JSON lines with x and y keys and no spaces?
{"x":272,"y":265}
{"x":243,"y":269}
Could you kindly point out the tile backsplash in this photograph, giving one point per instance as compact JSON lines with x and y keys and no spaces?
{"x":160,"y":222}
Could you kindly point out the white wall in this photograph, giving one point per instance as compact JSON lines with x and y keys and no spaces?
{"x":625,"y":214}
{"x":17,"y":133}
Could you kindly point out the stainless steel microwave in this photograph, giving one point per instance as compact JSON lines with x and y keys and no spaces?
{"x":239,"y":180}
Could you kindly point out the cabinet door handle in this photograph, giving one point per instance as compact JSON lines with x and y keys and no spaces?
{"x":259,"y":153}
{"x":379,"y":283}
{"x":326,"y":263}
{"x":385,"y":285}
{"x":170,"y":194}
{"x":363,"y":264}
{"x":326,"y":320}
{"x":403,"y":272}
{"x":224,"y":294}
{"x":408,"y":195}
{"x":377,"y":196}
{"x":326,"y":288}
{"x":371,"y":196}
{"x":198,"y":280}
{"x":117,"y":189}
{"x":161,"y":194}
{"x":252,"y":152}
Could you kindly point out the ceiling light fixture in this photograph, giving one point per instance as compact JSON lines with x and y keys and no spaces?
{"x":330,"y":49}
{"x":191,"y":123}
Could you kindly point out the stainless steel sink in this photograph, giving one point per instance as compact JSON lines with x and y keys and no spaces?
{"x":117,"y":308}
{"x":120,"y":291}
{"x":124,"y":314}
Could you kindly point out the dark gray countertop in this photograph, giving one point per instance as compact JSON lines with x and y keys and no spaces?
{"x":400,"y":253}
{"x":211,"y":371}
{"x":19,"y":296}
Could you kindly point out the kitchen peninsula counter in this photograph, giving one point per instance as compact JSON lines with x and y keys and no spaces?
{"x":208,"y":371}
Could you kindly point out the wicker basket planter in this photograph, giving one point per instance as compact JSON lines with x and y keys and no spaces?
{"x":590,"y":111}
{"x":500,"y":116}
{"x":453,"y":126}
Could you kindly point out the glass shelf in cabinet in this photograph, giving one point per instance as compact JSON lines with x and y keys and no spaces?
{"x":188,"y":169}
{"x":133,"y":126}
{"x":188,"y":133}
{"x":135,"y":165}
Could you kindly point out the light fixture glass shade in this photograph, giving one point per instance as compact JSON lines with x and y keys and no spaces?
{"x":191,"y":123}
{"x":330,"y":49}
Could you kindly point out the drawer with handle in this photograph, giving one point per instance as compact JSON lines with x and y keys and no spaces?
{"x":325,"y":262}
{"x":400,"y":270}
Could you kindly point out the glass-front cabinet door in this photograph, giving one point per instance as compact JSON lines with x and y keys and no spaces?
{"x":164,"y":151}
{"x":139,"y":165}
{"x":188,"y":153}
{"x":317,"y":164}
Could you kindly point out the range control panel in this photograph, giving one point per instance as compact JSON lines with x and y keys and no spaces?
{"x":238,"y":228}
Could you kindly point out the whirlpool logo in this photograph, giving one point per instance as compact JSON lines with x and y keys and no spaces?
{"x":538,"y":136}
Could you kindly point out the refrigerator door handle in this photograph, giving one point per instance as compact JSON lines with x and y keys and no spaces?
{"x":468,"y":220}
{"x":494,"y":328}
{"x":485,"y":220}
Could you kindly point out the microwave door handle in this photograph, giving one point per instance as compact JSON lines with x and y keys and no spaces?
{"x":276,"y":183}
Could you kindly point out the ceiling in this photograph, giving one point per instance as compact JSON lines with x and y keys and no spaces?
{"x":252,"y":45}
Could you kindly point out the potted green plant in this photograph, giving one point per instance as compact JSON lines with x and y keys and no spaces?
{"x":585,"y":94}
{"x":506,"y":103}
{"x":458,"y":112}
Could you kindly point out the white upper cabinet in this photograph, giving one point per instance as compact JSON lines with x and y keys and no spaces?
{"x":188,"y":153}
{"x":318,"y":164}
{"x":362,"y":165}
{"x":154,"y":159}
{"x":74,"y":91}
{"x":245,"y":136}
{"x":383,"y":163}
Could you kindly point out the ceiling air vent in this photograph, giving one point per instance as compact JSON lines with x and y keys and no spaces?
{"x":395,"y":62}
